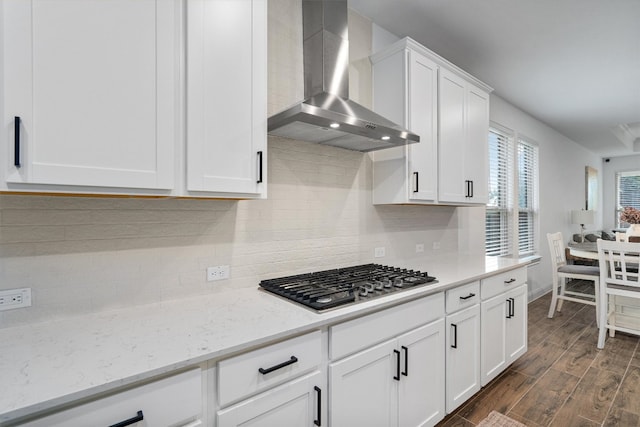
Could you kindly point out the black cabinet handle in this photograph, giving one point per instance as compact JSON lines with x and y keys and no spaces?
{"x":509,"y":281}
{"x":130,"y":421}
{"x":513,"y":307}
{"x":259,"y":167}
{"x":16,"y":141}
{"x":509,"y":308}
{"x":455,"y":335}
{"x":406,"y":361}
{"x":318,"y":421}
{"x":471,"y":193}
{"x":468,"y":296}
{"x":417,"y":182}
{"x":397,"y":375}
{"x":467,"y":183}
{"x":276,"y":367}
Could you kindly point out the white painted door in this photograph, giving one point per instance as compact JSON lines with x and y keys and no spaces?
{"x":451,"y":182}
{"x":294,"y":404}
{"x":476,"y":151}
{"x":226,"y":96}
{"x":422,"y":378}
{"x":94,"y":85}
{"x":516,"y":332}
{"x":463,"y":356}
{"x":423,"y":120}
{"x":362,"y":388}
{"x":494,"y":323}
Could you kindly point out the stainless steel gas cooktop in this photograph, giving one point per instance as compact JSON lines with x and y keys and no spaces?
{"x":334,"y":288}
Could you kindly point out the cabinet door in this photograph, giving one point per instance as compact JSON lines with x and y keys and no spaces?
{"x":421,"y":386}
{"x":476,"y":151}
{"x":516,"y":331}
{"x":451,"y":181}
{"x":294,"y":404}
{"x":463,"y":356}
{"x":362,"y":388}
{"x":423,"y":120}
{"x":94,"y":85}
{"x":494,"y":324}
{"x":226,"y":96}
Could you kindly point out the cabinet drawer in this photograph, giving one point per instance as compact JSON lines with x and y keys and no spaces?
{"x":260,"y":369}
{"x":176,"y":400}
{"x":503,"y":282}
{"x":463,"y":296}
{"x":354,"y":335}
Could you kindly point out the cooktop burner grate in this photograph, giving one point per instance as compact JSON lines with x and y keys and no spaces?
{"x":333,"y":288}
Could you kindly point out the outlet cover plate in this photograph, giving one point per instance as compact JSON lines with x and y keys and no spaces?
{"x":15,"y":298}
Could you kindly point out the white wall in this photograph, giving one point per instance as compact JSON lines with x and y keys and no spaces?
{"x":609,"y":170}
{"x":562,"y":182}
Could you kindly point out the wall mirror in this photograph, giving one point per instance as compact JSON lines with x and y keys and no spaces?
{"x":591,"y":188}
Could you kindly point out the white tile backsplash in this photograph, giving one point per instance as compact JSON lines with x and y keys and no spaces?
{"x":83,"y":254}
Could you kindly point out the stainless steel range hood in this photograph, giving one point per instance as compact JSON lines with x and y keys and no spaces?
{"x":327,"y":116}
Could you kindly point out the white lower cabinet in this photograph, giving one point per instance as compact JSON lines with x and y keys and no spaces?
{"x":504,"y":331}
{"x":398,"y":382}
{"x":463,"y":354}
{"x":297,"y":403}
{"x":172,"y":401}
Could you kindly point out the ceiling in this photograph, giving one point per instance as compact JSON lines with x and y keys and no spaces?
{"x":572,"y":64}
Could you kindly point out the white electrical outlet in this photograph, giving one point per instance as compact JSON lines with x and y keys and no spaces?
{"x":379,"y":252}
{"x":218,"y":272}
{"x":15,"y":298}
{"x":419,"y":247}
{"x":436,"y":246}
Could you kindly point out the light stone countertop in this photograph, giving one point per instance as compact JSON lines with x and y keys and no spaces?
{"x":48,"y":364}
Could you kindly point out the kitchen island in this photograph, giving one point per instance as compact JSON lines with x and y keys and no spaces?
{"x":49,"y":365}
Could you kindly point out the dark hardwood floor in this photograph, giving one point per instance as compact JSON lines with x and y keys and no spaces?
{"x":563,"y":379}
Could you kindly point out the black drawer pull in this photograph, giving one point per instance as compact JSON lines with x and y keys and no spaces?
{"x":259,"y":181}
{"x":276,"y":367}
{"x":130,"y":421}
{"x":509,"y":281}
{"x":397,"y":375}
{"x":455,"y":335}
{"x":318,"y":421}
{"x":406,"y":361}
{"x":16,"y":141}
{"x":468,"y":296}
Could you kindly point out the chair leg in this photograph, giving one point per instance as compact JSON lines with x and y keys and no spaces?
{"x":612,"y":315}
{"x":554,"y":298}
{"x":563,"y":283}
{"x":596,"y":297}
{"x":603,"y":313}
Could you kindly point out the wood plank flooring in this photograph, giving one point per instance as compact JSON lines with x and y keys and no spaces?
{"x":563,"y":379}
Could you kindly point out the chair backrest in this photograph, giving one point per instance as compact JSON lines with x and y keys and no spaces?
{"x":619,"y":262}
{"x":556,"y":248}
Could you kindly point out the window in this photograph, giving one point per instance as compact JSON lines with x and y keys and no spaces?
{"x":510,"y":227}
{"x":628,"y":193}
{"x":497,"y":223}
{"x":527,"y":196}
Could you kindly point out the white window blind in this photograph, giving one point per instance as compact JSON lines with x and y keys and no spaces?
{"x":527,"y":196}
{"x":497,"y":221}
{"x":628,"y":193}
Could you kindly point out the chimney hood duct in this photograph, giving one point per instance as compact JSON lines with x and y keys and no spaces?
{"x":327,"y":116}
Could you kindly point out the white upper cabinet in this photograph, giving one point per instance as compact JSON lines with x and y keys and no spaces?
{"x":89,"y":93}
{"x":405,"y":91}
{"x":227,"y":96}
{"x":464,"y":131}
{"x":137,"y":97}
{"x":449,"y":110}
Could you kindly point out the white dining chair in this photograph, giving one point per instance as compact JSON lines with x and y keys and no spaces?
{"x":619,"y":263}
{"x":561,"y":272}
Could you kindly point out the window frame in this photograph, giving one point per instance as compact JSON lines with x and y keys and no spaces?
{"x":619,"y":206}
